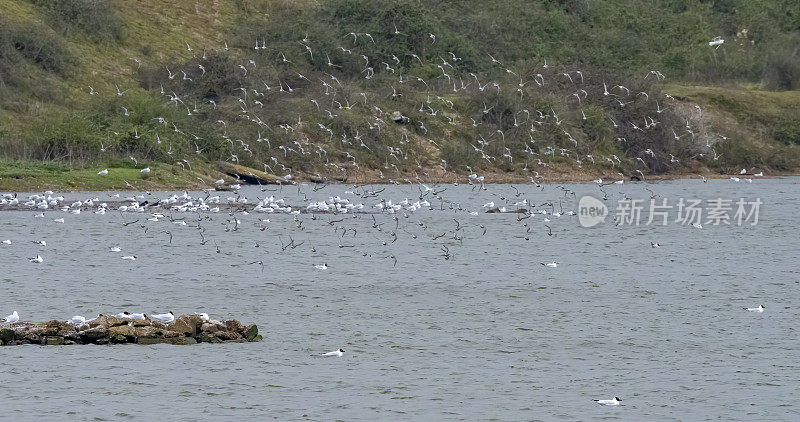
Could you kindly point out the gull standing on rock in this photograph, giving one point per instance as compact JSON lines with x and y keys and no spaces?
{"x":164,"y":318}
{"x":14,"y":317}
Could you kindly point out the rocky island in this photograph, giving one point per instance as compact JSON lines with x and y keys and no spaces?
{"x":186,"y":329}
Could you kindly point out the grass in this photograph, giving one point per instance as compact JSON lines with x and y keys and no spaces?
{"x":52,"y":130}
{"x":36,"y":176}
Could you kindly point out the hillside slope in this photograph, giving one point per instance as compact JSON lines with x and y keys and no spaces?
{"x":518,"y":89}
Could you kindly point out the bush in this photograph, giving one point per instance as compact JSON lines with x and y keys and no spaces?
{"x":36,"y":44}
{"x":782,"y":73}
{"x":95,"y":18}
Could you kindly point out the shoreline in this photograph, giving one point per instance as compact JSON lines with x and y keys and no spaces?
{"x":369,"y":177}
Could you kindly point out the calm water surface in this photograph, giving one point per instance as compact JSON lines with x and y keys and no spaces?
{"x":489,"y":334}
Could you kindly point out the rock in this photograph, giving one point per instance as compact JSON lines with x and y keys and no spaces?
{"x":205,"y":337}
{"x":181,"y":341}
{"x":149,"y":331}
{"x":186,"y":325}
{"x":250,"y":332}
{"x":142,"y":322}
{"x":94,"y":335}
{"x":186,"y":329}
{"x":234,"y":325}
{"x":150,"y":340}
{"x":6,"y":335}
{"x":247,"y":174}
{"x":122,"y":333}
{"x":211,"y":328}
{"x":54,"y":340}
{"x":229,"y":335}
{"x":57,"y":328}
{"x":171,"y":334}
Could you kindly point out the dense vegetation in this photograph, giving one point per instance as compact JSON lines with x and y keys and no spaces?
{"x":514,"y":86}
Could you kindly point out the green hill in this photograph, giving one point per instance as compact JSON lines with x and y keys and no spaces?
{"x":514,"y":89}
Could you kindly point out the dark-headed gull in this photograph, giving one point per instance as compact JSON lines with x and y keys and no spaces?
{"x":759,"y":309}
{"x":613,"y":402}
{"x":165,"y":318}
{"x":14,"y":317}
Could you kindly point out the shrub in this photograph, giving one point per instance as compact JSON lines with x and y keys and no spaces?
{"x":95,"y":18}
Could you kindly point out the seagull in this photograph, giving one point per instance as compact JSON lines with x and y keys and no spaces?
{"x":759,"y":309}
{"x":203,"y":316}
{"x":77,"y":320}
{"x":14,"y":317}
{"x":613,"y":402}
{"x":40,"y":242}
{"x":337,"y":352}
{"x":103,"y":172}
{"x":138,"y":316}
{"x":129,"y":257}
{"x":145,"y":170}
{"x":37,"y":260}
{"x":654,"y":245}
{"x":553,"y":264}
{"x":6,"y":242}
{"x":165,"y":318}
{"x":115,"y":249}
{"x":321,"y":266}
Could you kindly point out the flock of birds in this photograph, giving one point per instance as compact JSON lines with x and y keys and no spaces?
{"x":338,"y":147}
{"x":365,"y":217}
{"x":351,"y":81}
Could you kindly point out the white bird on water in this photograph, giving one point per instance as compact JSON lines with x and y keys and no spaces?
{"x":337,"y":353}
{"x":164,"y":318}
{"x":37,"y":260}
{"x":115,"y":249}
{"x":613,"y":402}
{"x":6,"y":242}
{"x":321,"y":266}
{"x":14,"y":317}
{"x":553,"y":264}
{"x":759,"y":309}
{"x":129,"y":258}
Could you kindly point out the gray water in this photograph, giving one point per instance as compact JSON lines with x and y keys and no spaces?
{"x":489,"y":334}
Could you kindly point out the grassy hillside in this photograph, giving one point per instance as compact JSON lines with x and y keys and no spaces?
{"x":522,"y":88}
